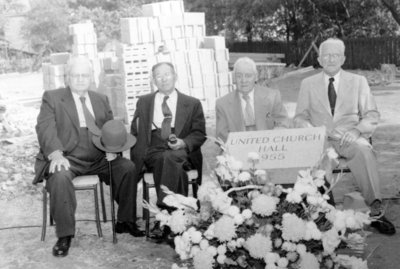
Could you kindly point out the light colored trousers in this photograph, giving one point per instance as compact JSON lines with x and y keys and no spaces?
{"x":361,"y":160}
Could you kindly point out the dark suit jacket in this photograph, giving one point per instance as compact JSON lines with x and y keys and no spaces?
{"x":58,"y":124}
{"x":189,"y":125}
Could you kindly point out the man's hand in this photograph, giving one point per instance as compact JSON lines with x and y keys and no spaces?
{"x":180,"y":144}
{"x":349,"y":137}
{"x":111,"y":156}
{"x":57,"y":162}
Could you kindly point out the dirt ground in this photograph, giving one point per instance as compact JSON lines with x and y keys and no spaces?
{"x":21,"y":203}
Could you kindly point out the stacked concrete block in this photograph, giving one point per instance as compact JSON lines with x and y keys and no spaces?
{"x":175,"y":36}
{"x":84,"y":39}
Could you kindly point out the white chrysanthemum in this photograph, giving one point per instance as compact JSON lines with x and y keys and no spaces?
{"x":231,"y":245}
{"x":293,"y":197}
{"x":240,"y":241}
{"x":301,"y":249}
{"x":220,"y":201}
{"x":330,"y":240}
{"x":271,"y":266}
{"x":233,"y":211}
{"x":319,"y":174}
{"x":195,"y":236}
{"x":204,"y":244}
{"x":182,"y":247}
{"x":178,"y":221}
{"x":271,"y":258}
{"x":308,"y":261}
{"x":258,"y":245}
{"x":283,"y":262}
{"x":221,"y":258}
{"x":194,"y":250}
{"x":163,"y":217}
{"x":293,"y":228}
{"x":247,"y":213}
{"x":289,"y":246}
{"x":225,"y":229}
{"x":221,"y":249}
{"x":203,"y":260}
{"x":244,"y":176}
{"x":260,"y":172}
{"x":238,"y":219}
{"x":264,"y":205}
{"x":253,"y":156}
{"x":212,"y":250}
{"x":312,"y":231}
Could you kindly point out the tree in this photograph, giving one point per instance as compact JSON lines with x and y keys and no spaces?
{"x":393,"y":6}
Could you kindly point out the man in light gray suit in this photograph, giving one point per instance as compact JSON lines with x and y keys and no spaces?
{"x":343,"y":103}
{"x":251,"y":107}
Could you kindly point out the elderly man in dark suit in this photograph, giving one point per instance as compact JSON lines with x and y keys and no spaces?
{"x":250,"y":107}
{"x":157,"y":116}
{"x":67,"y":121}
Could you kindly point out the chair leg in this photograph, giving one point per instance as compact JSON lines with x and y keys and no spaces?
{"x":146,"y":212}
{"x":195,"y":187}
{"x":44,"y":217}
{"x":96,"y":212}
{"x":103,"y":205}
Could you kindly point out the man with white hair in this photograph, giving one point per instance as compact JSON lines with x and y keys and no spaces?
{"x":343,"y":103}
{"x":68,"y":120}
{"x":250,"y":107}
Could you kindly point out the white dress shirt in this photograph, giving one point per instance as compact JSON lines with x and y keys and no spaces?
{"x":79,"y":108}
{"x":158,"y":115}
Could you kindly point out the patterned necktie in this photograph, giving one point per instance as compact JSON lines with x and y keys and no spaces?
{"x":166,"y":123}
{"x":90,"y":123}
{"x":332,"y":95}
{"x":249,"y":114}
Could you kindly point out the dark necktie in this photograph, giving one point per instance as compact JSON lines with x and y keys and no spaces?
{"x":90,"y":123}
{"x":249,"y":114}
{"x":166,"y":123}
{"x":332,"y":95}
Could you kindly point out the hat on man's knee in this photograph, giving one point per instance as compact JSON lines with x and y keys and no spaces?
{"x":114,"y":138}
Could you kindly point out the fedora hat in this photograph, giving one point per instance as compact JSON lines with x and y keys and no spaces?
{"x":114,"y":137}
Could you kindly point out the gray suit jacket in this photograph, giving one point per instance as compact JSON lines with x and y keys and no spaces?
{"x":269,"y":112}
{"x":355,"y":105}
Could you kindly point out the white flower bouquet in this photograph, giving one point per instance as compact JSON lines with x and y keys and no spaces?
{"x":245,"y":221}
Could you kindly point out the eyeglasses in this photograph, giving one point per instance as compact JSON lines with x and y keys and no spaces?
{"x":333,"y":56}
{"x":164,"y":76}
{"x":244,"y":75}
{"x":76,"y":76}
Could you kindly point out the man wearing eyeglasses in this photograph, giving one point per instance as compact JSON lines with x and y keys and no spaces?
{"x":68,"y":120}
{"x":170,"y":129}
{"x":343,"y":103}
{"x":250,"y":107}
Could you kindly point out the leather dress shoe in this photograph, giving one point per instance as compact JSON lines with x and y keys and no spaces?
{"x":61,"y":247}
{"x":384,"y":226}
{"x":129,"y":227}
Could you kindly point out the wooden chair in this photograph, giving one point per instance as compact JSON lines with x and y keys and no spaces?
{"x":90,"y":182}
{"x":148,"y":182}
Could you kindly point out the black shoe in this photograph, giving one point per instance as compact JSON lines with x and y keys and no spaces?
{"x":157,"y":233}
{"x":384,"y":226}
{"x":61,"y":248}
{"x":129,"y":227}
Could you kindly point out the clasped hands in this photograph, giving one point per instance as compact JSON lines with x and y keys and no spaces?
{"x":349,"y":137}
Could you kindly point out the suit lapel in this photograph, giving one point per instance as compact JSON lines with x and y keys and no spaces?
{"x":70,"y":108}
{"x":261,"y":104}
{"x":321,"y":93}
{"x":150,"y":113}
{"x":97,"y":109}
{"x":343,"y":91}
{"x":182,"y":113}
{"x":235,"y":107}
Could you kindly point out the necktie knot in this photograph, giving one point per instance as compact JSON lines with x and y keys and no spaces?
{"x":83,"y":99}
{"x":331,"y":80}
{"x":246,"y":97}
